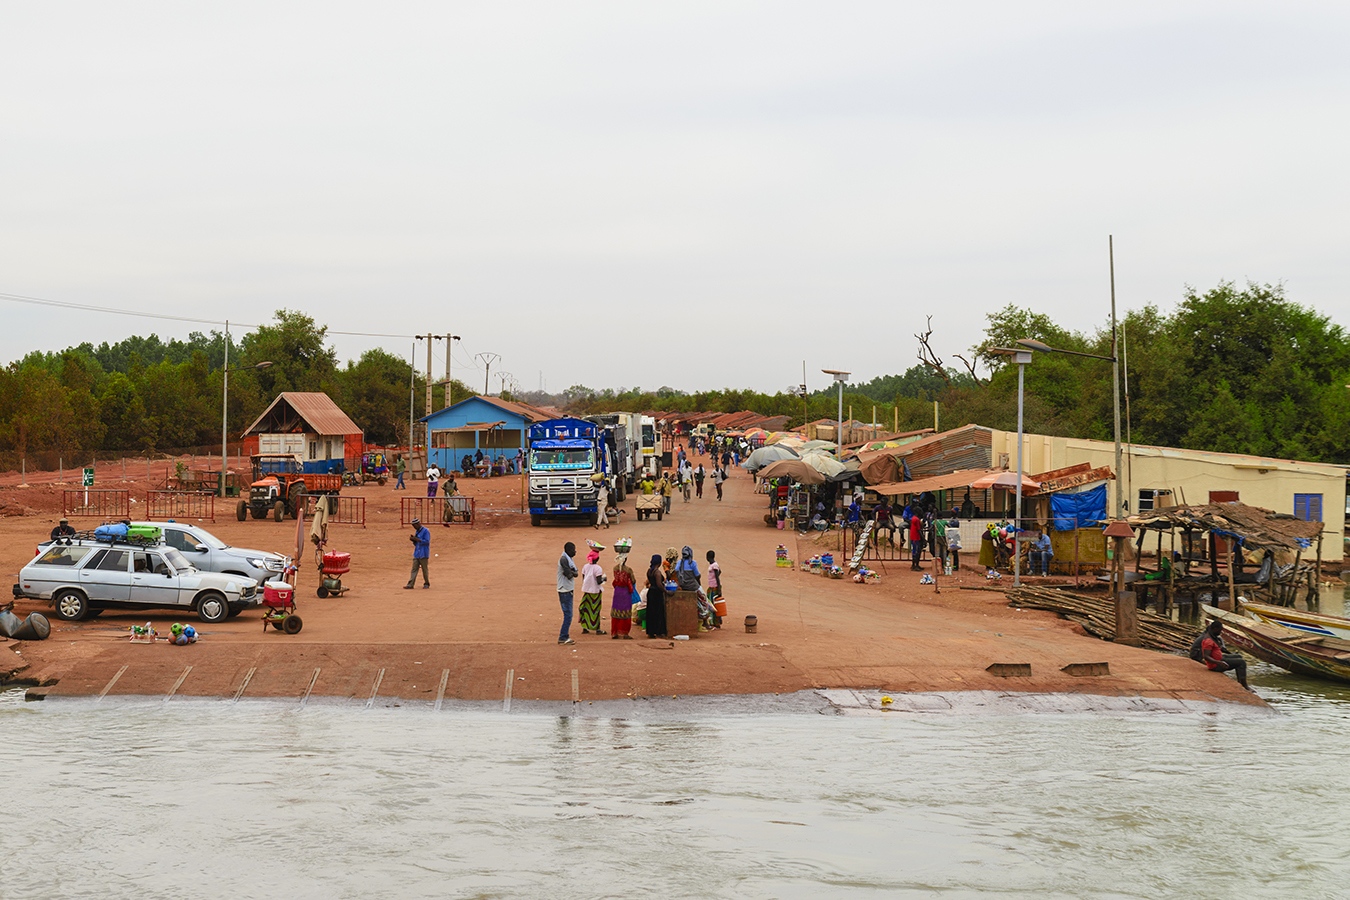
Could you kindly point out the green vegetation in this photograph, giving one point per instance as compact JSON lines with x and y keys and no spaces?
{"x":1237,"y":370}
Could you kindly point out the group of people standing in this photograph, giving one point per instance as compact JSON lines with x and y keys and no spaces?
{"x":628,"y":598}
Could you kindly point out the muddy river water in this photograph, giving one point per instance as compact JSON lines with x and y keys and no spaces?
{"x":217,"y":799}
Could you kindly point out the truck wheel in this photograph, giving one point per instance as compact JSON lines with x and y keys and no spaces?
{"x":242,"y":509}
{"x":618,"y":490}
{"x":659,"y":514}
{"x":278,"y":511}
{"x":534,"y":520}
{"x":595,"y":519}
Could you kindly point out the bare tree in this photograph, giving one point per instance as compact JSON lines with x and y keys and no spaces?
{"x":934,"y":362}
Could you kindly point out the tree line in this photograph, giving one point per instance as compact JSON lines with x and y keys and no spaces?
{"x":1242,"y":370}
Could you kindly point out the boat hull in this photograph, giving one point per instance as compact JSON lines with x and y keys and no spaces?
{"x":1297,"y":620}
{"x":1295,"y":651}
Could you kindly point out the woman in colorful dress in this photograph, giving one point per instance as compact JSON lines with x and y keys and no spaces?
{"x":592,"y":577}
{"x":621,"y":608}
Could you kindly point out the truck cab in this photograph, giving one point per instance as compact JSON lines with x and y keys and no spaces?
{"x":565,"y":465}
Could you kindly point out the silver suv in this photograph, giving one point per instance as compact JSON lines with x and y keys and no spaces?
{"x":83,"y":577}
{"x":209,"y":553}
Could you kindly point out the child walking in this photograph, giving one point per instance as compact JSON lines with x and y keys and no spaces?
{"x":714,"y":584}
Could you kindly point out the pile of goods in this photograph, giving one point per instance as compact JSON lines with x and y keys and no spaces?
{"x":781,"y":558}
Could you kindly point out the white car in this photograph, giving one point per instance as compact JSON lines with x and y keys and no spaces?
{"x":209,"y":553}
{"x":83,"y":577}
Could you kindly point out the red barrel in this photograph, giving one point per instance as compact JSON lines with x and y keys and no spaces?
{"x":335,"y":563}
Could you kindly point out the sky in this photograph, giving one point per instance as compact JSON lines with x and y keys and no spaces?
{"x":696,"y":195}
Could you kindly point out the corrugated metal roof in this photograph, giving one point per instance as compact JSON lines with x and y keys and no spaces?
{"x":315,"y":408}
{"x":932,"y":483}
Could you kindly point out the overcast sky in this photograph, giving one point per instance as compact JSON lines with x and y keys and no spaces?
{"x":696,"y":194}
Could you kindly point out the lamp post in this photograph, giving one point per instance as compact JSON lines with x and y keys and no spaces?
{"x":1021,"y":357}
{"x":1115,"y":375}
{"x":225,"y":406}
{"x":839,"y":378}
{"x":449,"y":352}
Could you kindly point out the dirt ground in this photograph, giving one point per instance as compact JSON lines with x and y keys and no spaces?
{"x":487,"y":628}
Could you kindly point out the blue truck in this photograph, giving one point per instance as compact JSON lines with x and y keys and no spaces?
{"x":568,"y":460}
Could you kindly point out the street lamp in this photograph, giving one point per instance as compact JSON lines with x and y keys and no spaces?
{"x":839,"y":379}
{"x":1021,"y":357}
{"x":1115,"y":378}
{"x":225,"y":405}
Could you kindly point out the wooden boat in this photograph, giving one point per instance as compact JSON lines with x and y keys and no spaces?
{"x":1313,"y":655}
{"x":1307,"y":622}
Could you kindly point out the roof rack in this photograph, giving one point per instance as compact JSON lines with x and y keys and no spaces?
{"x":130,"y":540}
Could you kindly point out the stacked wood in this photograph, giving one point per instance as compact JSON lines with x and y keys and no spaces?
{"x":1097,"y":614}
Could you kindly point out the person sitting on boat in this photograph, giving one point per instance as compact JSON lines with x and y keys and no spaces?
{"x":1216,"y":657}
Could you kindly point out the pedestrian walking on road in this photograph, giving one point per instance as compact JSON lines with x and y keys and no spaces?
{"x":399,"y":468}
{"x":667,"y":490}
{"x":719,"y":476}
{"x":421,"y":541}
{"x":714,"y":585}
{"x":567,"y":574}
{"x":954,"y":543}
{"x":601,"y":506}
{"x":915,"y":541}
{"x":656,"y":598}
{"x":699,"y":475}
{"x":433,"y":480}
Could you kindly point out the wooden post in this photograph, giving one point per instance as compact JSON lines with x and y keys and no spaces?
{"x":1291,"y":592}
{"x":1075,"y":553}
{"x":1171,"y":571}
{"x":1232,"y":584}
{"x":1315,"y":594}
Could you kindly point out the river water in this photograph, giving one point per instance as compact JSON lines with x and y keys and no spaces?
{"x":142,"y":798}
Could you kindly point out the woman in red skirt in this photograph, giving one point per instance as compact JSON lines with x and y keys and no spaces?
{"x":621,"y":608}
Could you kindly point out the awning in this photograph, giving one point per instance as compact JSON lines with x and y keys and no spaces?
{"x":933,"y":482}
{"x":468,"y":429}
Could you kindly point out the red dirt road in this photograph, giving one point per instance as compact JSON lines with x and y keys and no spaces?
{"x":493,"y":609}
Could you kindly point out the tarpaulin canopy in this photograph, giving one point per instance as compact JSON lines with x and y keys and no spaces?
{"x":1006,"y":481}
{"x":760,"y":458}
{"x":823,"y":463}
{"x":932,"y":483}
{"x":795,"y":469}
{"x":1082,"y":510}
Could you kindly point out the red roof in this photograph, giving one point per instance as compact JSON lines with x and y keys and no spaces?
{"x":314,"y":409}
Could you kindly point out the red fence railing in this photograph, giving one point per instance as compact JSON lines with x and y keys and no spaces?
{"x":180,"y":505}
{"x":341,"y":510}
{"x":102,"y":503}
{"x":457,"y":510}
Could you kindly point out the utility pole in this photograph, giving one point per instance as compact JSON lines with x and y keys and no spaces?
{"x":1115,"y":372}
{"x":429,"y":338}
{"x":488,"y":359}
{"x":412,"y":390}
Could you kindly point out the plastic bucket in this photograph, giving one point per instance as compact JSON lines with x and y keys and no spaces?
{"x":720,"y":608}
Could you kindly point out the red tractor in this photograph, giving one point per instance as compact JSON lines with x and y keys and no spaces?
{"x":281,"y":486}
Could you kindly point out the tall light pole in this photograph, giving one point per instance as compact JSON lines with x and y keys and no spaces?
{"x":839,"y":378}
{"x":488,"y":359}
{"x":1021,"y":357}
{"x":1115,"y":370}
{"x":225,"y":406}
{"x":449,"y":352}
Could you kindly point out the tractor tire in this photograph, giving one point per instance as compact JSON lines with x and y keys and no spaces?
{"x":242,"y":510}
{"x":297,"y":503}
{"x":278,"y":511}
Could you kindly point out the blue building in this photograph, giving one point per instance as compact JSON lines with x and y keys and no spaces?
{"x":499,"y":428}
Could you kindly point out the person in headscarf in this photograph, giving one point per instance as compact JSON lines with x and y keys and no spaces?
{"x":689,"y":578}
{"x":668,"y":565}
{"x":621,"y":607}
{"x":656,"y":598}
{"x":592,"y":577}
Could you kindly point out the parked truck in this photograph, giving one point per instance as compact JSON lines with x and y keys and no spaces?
{"x":651,"y":460}
{"x":619,"y":432}
{"x":280,"y":486}
{"x":567,"y":460}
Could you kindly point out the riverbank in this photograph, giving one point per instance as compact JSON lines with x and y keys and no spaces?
{"x":487,"y":628}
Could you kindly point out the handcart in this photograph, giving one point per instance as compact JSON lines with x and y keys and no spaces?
{"x":331,"y":569}
{"x":279,"y":608}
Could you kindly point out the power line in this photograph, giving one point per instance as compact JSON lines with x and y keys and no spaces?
{"x":89,"y":307}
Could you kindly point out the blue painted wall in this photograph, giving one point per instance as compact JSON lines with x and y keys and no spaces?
{"x":468,"y":412}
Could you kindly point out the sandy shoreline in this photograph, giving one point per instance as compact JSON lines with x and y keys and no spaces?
{"x":492,"y":611}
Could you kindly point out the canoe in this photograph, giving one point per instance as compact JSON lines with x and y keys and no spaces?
{"x":1307,"y":622}
{"x":1313,"y":655}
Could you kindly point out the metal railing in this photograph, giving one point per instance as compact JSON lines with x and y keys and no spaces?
{"x":341,"y":510}
{"x":103,"y":503}
{"x":457,"y":510}
{"x":180,"y":504}
{"x":883,"y":545}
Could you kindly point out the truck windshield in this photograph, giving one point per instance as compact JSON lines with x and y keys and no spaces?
{"x":561,"y":459}
{"x":648,"y":436}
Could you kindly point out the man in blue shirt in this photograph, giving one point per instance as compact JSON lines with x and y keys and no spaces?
{"x":1041,"y":554}
{"x":421,"y":541}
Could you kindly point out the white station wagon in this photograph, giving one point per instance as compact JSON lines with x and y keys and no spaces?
{"x":84,"y":577}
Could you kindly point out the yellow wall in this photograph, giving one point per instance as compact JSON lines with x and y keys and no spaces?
{"x":1191,"y":475}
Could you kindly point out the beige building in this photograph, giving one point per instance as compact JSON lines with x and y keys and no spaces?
{"x":1165,"y":476}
